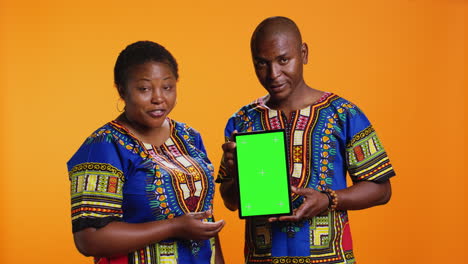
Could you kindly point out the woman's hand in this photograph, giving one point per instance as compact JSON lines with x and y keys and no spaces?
{"x":192,"y":226}
{"x":314,"y":204}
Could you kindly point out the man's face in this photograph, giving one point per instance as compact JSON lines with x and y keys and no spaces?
{"x":278,"y":60}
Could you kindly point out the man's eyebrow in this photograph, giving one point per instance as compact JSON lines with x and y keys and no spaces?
{"x":285,"y":54}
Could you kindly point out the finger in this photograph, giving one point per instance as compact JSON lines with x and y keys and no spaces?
{"x":212,"y":232}
{"x":272,"y":219}
{"x":219,"y":228}
{"x":306,"y":192}
{"x":231,"y":138}
{"x":299,"y":213}
{"x":213,"y":226}
{"x":299,"y":191}
{"x":294,"y":217}
{"x":229,"y":156}
{"x":209,"y":213}
{"x":201,"y":215}
{"x":289,"y":218}
{"x":294,"y":189}
{"x":228,"y":146}
{"x":223,"y":223}
{"x":230,"y":164}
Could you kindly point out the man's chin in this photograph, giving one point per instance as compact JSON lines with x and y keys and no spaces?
{"x":277,"y":97}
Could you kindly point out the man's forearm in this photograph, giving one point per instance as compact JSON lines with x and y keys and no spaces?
{"x":363,"y":195}
{"x":230,"y":194}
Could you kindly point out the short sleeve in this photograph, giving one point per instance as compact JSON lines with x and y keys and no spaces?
{"x":96,"y":179}
{"x":195,"y":135}
{"x":366,"y":157}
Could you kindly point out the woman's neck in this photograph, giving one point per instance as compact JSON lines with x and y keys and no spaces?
{"x":155,"y":136}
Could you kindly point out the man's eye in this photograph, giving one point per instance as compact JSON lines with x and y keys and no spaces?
{"x":261,"y":63}
{"x":284,"y":60}
{"x":167,"y":87}
{"x":144,"y":89}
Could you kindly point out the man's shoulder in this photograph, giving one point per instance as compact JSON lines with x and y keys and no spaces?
{"x":252,"y":106}
{"x":336,"y":101}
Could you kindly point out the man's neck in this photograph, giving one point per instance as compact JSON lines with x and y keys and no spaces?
{"x":302,"y":97}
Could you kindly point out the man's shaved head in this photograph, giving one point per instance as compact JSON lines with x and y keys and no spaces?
{"x":278,"y":56}
{"x":275,"y":26}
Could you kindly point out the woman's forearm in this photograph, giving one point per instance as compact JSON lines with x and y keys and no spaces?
{"x":119,"y":238}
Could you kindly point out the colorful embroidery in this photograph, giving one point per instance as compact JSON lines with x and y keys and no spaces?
{"x":96,"y":191}
{"x":115,"y":176}
{"x":326,"y":140}
{"x":367,"y":157}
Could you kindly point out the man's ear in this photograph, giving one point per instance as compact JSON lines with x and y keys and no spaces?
{"x":304,"y":53}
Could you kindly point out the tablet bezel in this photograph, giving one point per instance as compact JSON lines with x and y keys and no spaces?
{"x":283,"y":132}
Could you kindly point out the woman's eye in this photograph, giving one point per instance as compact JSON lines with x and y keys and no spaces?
{"x":167,"y":87}
{"x":144,"y":89}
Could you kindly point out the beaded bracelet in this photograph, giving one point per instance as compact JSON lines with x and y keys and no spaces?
{"x":332,"y":199}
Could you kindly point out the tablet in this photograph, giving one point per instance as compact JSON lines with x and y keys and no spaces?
{"x":262,"y":169}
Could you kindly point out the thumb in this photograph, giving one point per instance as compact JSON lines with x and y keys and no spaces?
{"x":300,"y":191}
{"x":199,"y":215}
{"x":202,"y":215}
{"x":231,"y":138}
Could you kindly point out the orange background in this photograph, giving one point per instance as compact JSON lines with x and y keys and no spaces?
{"x":401,"y":61}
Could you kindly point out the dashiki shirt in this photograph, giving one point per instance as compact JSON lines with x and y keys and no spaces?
{"x":325,"y":141}
{"x":115,"y":177}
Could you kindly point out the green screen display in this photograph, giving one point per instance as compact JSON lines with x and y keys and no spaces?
{"x":262,"y":173}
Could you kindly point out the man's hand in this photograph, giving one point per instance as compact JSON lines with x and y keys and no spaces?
{"x":314,"y":204}
{"x":228,"y":188}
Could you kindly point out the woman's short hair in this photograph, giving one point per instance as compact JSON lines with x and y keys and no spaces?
{"x":138,"y":53}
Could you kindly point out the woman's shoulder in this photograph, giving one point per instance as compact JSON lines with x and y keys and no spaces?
{"x":181,"y":125}
{"x":108,"y":133}
{"x":94,"y":146}
{"x":108,"y":144}
{"x":187,"y":134}
{"x":184,"y":130}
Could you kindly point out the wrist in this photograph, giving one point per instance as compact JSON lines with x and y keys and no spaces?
{"x":173,"y":226}
{"x":332,"y":197}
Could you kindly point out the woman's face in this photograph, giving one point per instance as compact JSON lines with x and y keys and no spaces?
{"x":150,"y":94}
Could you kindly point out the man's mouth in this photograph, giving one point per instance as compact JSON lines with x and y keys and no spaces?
{"x":277,"y":87}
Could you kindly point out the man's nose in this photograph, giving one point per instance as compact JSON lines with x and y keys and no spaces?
{"x":274,"y":71}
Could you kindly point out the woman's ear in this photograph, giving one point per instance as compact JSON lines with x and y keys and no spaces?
{"x":121,"y":91}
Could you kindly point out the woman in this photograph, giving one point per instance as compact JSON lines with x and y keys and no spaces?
{"x":142,"y":185}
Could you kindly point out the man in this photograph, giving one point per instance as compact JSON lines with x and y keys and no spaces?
{"x":328,"y":137}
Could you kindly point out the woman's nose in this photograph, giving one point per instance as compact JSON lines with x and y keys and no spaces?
{"x":157,"y":96}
